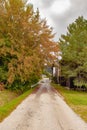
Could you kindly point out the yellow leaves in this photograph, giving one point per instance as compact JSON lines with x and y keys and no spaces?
{"x":11,"y":73}
{"x":30,"y":38}
{"x":10,"y":78}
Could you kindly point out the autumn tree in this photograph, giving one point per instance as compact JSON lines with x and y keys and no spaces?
{"x":26,"y":43}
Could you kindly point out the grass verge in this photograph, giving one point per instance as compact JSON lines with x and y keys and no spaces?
{"x":76,"y":100}
{"x":6,"y":96}
{"x":6,"y":109}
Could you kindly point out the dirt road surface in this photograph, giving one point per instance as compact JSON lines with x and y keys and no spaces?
{"x":43,"y":110}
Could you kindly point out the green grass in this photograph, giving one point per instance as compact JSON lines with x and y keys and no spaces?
{"x":8,"y":107}
{"x":6,"y":96}
{"x":76,"y":100}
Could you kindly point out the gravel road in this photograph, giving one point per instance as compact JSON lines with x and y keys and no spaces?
{"x":43,"y":110}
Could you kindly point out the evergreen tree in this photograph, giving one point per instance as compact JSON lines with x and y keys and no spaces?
{"x":74,"y":52}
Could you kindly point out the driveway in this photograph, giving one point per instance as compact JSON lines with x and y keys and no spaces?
{"x":43,"y":110}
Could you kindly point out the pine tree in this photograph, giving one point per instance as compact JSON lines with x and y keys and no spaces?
{"x":74,"y":52}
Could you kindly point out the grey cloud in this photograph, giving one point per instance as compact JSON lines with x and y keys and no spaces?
{"x":78,"y":8}
{"x":61,"y":21}
{"x":47,"y":3}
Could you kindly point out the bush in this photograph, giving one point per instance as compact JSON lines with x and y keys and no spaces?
{"x":23,"y":86}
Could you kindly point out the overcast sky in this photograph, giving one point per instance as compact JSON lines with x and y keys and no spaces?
{"x":60,"y":13}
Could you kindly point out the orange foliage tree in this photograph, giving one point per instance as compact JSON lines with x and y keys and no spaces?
{"x":26,"y":43}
